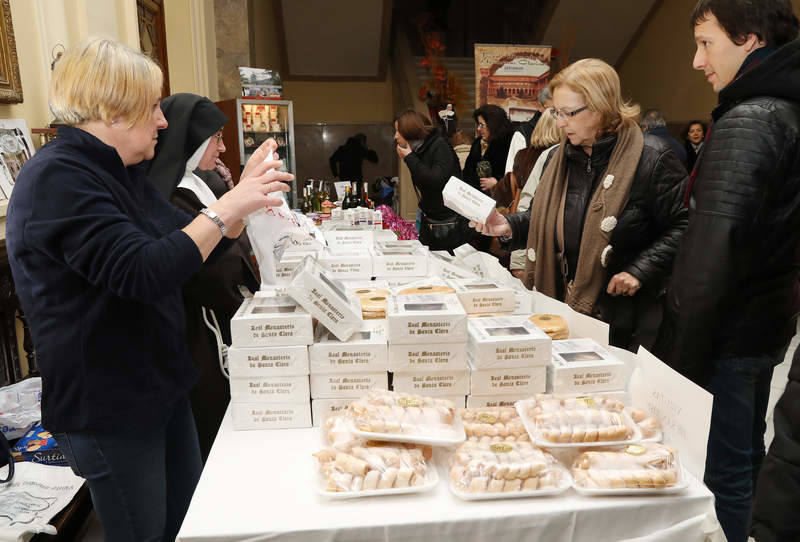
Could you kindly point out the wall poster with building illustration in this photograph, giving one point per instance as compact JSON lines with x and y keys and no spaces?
{"x":511,"y":76}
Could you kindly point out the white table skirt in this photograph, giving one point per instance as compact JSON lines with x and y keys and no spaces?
{"x":260,"y":485}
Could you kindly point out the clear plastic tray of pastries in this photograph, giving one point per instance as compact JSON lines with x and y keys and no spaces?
{"x":500,"y":470}
{"x":502,"y":422}
{"x":648,"y":425}
{"x":406,"y":417}
{"x":372,"y":468}
{"x":648,"y":467}
{"x":555,"y":421}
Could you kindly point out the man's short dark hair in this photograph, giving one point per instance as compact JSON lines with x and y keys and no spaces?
{"x":772,"y":21}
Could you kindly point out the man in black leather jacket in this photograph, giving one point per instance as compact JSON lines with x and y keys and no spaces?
{"x":734,"y":294}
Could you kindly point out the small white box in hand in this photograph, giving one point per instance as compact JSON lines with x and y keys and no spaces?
{"x":467,"y":201}
{"x":271,"y":389}
{"x":267,"y":361}
{"x":399,"y":262}
{"x":428,"y":357}
{"x":364,"y":351}
{"x":271,"y":321}
{"x":499,"y":381}
{"x":507,"y":341}
{"x":326,"y":299}
{"x":248,"y":416}
{"x":479,"y":295}
{"x":347,"y":265}
{"x":425,"y":319}
{"x":353,"y":385}
{"x":495,"y":400}
{"x":583,"y":366}
{"x":432,"y":383}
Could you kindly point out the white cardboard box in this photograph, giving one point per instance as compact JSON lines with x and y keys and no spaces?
{"x":399,"y":262}
{"x":385,"y":235}
{"x":246,"y":416}
{"x":467,"y":201}
{"x":428,"y":357}
{"x":507,"y":341}
{"x":270,"y":290}
{"x":397,"y":244}
{"x":447,"y":267}
{"x":583,"y":366}
{"x":520,"y":380}
{"x":326,"y":299}
{"x":340,"y":385}
{"x":432,"y":383}
{"x":322,"y":408}
{"x":364,"y":351}
{"x":271,"y":389}
{"x":285,"y":268}
{"x":271,"y":321}
{"x":264,"y":361}
{"x":495,"y":400}
{"x":348,"y":239}
{"x":425,"y":319}
{"x":347,"y":264}
{"x":479,"y":295}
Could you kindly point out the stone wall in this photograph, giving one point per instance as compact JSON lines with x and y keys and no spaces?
{"x":232,"y":27}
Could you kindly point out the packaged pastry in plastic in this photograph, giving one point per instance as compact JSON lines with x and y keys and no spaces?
{"x":569,"y":421}
{"x":375,"y":468}
{"x":648,"y":425}
{"x":636,"y":468}
{"x":483,"y":470}
{"x":503,"y":422}
{"x":405,"y":417}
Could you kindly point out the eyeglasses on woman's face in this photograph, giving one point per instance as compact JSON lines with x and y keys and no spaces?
{"x":218,"y":137}
{"x":563,"y":114}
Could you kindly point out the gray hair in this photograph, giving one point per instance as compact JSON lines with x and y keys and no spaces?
{"x":652,"y":118}
{"x":545,"y":95}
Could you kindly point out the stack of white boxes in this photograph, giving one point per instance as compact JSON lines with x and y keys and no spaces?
{"x":268,"y":364}
{"x":583,"y":366}
{"x":508,"y":359}
{"x":342,"y":371}
{"x":399,"y":262}
{"x":427,"y":345}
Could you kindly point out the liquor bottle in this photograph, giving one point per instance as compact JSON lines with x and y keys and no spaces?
{"x":316,"y":204}
{"x":306,"y":205}
{"x":365,"y":201}
{"x":346,"y":202}
{"x":354,"y":195}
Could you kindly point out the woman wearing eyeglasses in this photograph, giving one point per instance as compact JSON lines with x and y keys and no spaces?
{"x":605,"y":223}
{"x":192,"y":142}
{"x":495,"y":132}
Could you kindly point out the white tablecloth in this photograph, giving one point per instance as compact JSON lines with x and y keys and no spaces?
{"x":260,"y":485}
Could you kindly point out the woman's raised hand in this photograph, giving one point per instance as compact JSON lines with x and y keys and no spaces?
{"x":496,"y":225}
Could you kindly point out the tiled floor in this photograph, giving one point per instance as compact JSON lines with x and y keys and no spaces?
{"x":779,"y":379}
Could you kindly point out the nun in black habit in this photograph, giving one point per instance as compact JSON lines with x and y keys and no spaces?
{"x":192,"y":139}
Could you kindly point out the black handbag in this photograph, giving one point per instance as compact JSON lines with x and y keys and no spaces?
{"x":443,"y":234}
{"x":6,"y":458}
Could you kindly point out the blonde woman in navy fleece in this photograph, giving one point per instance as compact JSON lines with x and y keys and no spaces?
{"x":98,"y":257}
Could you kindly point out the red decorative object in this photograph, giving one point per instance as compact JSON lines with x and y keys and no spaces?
{"x":403,"y":228}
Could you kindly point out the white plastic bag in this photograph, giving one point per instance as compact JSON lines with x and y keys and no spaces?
{"x":20,"y":407}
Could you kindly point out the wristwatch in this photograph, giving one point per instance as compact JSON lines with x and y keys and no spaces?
{"x":217,"y":220}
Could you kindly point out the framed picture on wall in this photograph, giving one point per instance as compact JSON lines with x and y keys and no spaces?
{"x":16,"y":147}
{"x":10,"y":84}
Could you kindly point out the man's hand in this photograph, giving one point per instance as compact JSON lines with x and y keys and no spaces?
{"x":623,"y":284}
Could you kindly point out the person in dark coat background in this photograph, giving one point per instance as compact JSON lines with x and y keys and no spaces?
{"x":431,"y":161}
{"x":694,"y":135}
{"x":492,"y":145}
{"x":346,"y":163}
{"x":653,"y":122}
{"x":193,"y":140}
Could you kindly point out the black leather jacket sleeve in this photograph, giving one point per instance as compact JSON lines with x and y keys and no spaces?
{"x":744,"y":152}
{"x":435,"y":176}
{"x":520,"y":224}
{"x":667,"y":185}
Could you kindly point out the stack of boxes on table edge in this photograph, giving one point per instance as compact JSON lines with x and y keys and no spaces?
{"x":455,"y":326}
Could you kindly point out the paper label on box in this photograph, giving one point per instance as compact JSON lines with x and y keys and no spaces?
{"x":478,"y":296}
{"x":271,"y":321}
{"x":511,"y":341}
{"x":527,"y":380}
{"x":247,"y":416}
{"x":433,"y":383}
{"x":348,"y":265}
{"x":364,"y":351}
{"x":321,"y":409}
{"x":399,"y":262}
{"x":495,"y":400}
{"x":275,"y":389}
{"x":429,"y":357}
{"x":435,"y":318}
{"x":332,"y":386}
{"x":582,"y":365}
{"x":355,"y":239}
{"x":267,"y":361}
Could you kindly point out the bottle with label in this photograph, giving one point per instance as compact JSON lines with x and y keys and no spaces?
{"x":365,"y":201}
{"x":346,"y":202}
{"x":316,"y":204}
{"x":377,"y":220}
{"x":354,"y":204}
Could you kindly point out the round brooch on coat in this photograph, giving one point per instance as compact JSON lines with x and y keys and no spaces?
{"x":531,"y":255}
{"x":608,"y":223}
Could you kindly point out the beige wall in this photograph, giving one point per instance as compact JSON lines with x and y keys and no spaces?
{"x":191,"y":47}
{"x":317,"y":101}
{"x":658,"y":72}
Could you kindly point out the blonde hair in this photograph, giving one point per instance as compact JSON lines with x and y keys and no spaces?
{"x":102,"y":79}
{"x":546,"y":133}
{"x":598,"y":83}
